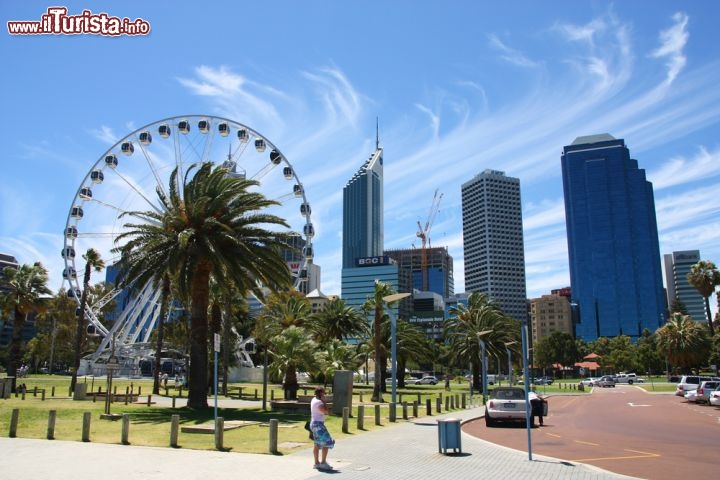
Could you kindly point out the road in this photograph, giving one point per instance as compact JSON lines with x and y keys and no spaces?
{"x":624,"y":430}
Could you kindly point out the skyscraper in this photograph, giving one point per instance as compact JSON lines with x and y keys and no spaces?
{"x":613,"y":247}
{"x":493,"y":240}
{"x":363,"y":211}
{"x":677,"y":266}
{"x":363,"y":259}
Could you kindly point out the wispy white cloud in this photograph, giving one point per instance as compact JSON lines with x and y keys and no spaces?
{"x":105,"y":134}
{"x":679,"y":170}
{"x":672,"y":44}
{"x":511,"y":55}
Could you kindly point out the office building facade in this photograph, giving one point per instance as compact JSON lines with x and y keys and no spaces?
{"x":677,"y":266}
{"x":548,"y":314}
{"x":493,"y":241}
{"x":613,"y":247}
{"x":439,"y":269}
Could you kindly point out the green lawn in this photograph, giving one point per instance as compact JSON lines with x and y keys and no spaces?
{"x":150,"y":425}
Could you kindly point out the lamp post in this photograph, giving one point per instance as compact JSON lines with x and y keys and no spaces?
{"x":393,"y":339}
{"x":483,"y":359}
{"x":509,"y":357}
{"x":528,"y":417}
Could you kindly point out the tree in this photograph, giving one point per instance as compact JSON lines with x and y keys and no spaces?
{"x":210,"y":226}
{"x":683,"y":342}
{"x":290,"y":350}
{"x":705,"y":276}
{"x":92,"y":262}
{"x":377,"y":304}
{"x":482,"y":319}
{"x":558,"y":347}
{"x":336,"y":320}
{"x":23,"y":288}
{"x":412,"y":344}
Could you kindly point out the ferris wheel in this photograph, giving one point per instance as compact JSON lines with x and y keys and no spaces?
{"x":126,"y":178}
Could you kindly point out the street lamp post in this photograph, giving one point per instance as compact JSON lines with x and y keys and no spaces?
{"x":483,"y":359}
{"x":393,"y":339}
{"x":509,"y":357}
{"x":526,"y":378}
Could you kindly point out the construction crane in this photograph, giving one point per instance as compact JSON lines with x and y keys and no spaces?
{"x":423,"y":234}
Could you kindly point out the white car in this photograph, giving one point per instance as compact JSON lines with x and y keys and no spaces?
{"x":715,"y":397}
{"x":429,"y":380}
{"x":691,"y":396}
{"x":589,"y":381}
{"x":505,"y":404}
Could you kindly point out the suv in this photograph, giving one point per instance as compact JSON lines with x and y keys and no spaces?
{"x":606,"y":381}
{"x":628,"y":378}
{"x":704,"y":390}
{"x":691,"y":382}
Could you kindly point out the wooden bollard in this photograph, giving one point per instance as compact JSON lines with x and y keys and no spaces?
{"x":149,"y":400}
{"x":42,"y":396}
{"x":377,"y":414}
{"x":95,"y":398}
{"x":35,"y":390}
{"x":52,"y":416}
{"x":125,"y":434}
{"x":438,"y":404}
{"x":405,"y":410}
{"x":256,"y":394}
{"x":415,"y":409}
{"x":452,"y":402}
{"x":14,"y":417}
{"x":272,"y":395}
{"x":464,"y":401}
{"x":174,"y":430}
{"x":219,"y":432}
{"x":447,"y":404}
{"x":393,"y":411}
{"x":127,"y":394}
{"x":173,"y":402}
{"x":428,"y":407}
{"x":52,"y":391}
{"x":361,"y":417}
{"x":345,"y":417}
{"x":139,"y":390}
{"x":361,"y":397}
{"x":86,"y":426}
{"x":273,"y":436}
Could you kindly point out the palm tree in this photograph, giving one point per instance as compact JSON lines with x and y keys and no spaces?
{"x":336,"y":320}
{"x":412,"y":344}
{"x":338,"y":355}
{"x":291,"y":350}
{"x":683,"y":341}
{"x":378,"y":306}
{"x":210,"y":226}
{"x":705,"y":276}
{"x":92,"y":262}
{"x":480,"y":318}
{"x":23,"y":288}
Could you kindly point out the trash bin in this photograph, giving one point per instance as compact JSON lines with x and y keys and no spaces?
{"x":449,"y":435}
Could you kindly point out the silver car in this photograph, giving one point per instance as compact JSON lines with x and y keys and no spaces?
{"x":505,"y":404}
{"x":606,"y":381}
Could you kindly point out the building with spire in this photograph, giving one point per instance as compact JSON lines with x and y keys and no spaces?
{"x":613,"y":248}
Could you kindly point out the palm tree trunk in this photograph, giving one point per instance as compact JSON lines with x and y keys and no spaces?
{"x":379,"y":366}
{"x":15,"y":348}
{"x":164,"y":301}
{"x":197,"y":372}
{"x":709,"y":316}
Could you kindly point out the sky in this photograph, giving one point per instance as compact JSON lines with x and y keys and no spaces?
{"x":453,"y":88}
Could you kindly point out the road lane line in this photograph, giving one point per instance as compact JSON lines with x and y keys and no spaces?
{"x":587,"y":443}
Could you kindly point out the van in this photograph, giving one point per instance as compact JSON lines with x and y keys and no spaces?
{"x":691,"y":382}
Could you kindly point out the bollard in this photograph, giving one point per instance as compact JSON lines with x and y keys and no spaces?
{"x":464,"y":401}
{"x":139,"y":390}
{"x":457,"y":401}
{"x":361,"y":417}
{"x":219,"y":432}
{"x":393,"y":411}
{"x":127,"y":394}
{"x":273,"y":436}
{"x":149,"y":400}
{"x":86,"y":427}
{"x":52,"y":416}
{"x":125,"y":434}
{"x":173,"y":402}
{"x":256,"y":394}
{"x":52,"y":391}
{"x":447,"y":404}
{"x":377,"y":414}
{"x":400,"y":395}
{"x":174,"y":429}
{"x":452,"y":402}
{"x":419,"y":400}
{"x":405,"y":410}
{"x":361,"y":397}
{"x":438,"y":404}
{"x":94,"y":398}
{"x":345,"y":416}
{"x":180,"y":392}
{"x":23,"y":395}
{"x":428,"y":407}
{"x":42,"y":397}
{"x":15,"y":416}
{"x":272,"y":395}
{"x":415,"y":409}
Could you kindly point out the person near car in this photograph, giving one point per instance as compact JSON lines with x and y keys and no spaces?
{"x":321,"y":437}
{"x":536,"y":407}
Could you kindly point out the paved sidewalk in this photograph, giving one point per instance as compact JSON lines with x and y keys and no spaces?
{"x":404,"y":451}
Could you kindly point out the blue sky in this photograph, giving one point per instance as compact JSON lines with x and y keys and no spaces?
{"x":457,"y":86}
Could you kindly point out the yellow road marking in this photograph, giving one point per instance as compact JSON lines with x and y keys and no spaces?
{"x":625,"y":457}
{"x":587,"y":443}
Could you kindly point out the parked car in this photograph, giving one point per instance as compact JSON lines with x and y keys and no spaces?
{"x":628,"y":378}
{"x":542,"y":381}
{"x":606,"y":381}
{"x":691,"y":396}
{"x":505,"y":404}
{"x":427,"y":380}
{"x":589,"y":381}
{"x":715,"y":397}
{"x":691,"y":382}
{"x":704,"y":390}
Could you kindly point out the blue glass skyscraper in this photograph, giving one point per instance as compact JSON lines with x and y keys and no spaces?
{"x":613,"y":248}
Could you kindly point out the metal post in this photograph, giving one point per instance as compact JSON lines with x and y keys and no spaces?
{"x":523,"y":332}
{"x":483,"y":359}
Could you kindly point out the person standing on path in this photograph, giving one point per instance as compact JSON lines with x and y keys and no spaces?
{"x":321,"y":436}
{"x":536,"y":407}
